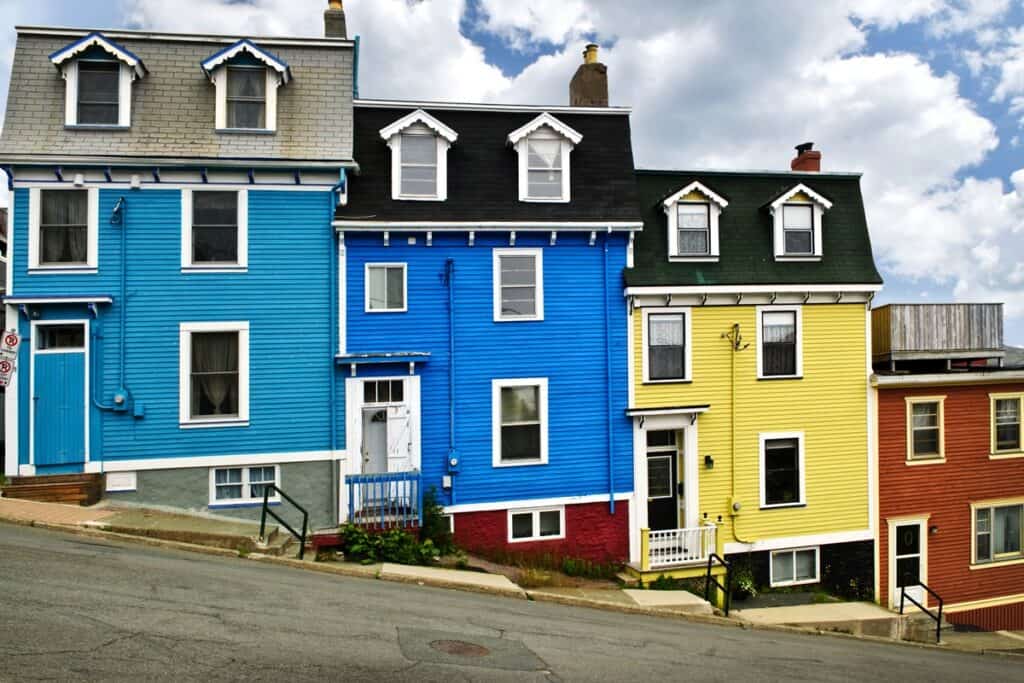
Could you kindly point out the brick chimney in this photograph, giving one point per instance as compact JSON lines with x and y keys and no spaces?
{"x":807,"y":159}
{"x":334,"y":20}
{"x":589,"y":86}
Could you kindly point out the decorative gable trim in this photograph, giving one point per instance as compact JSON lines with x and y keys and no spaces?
{"x":210,"y":64}
{"x":551,"y":122}
{"x":695,"y":186}
{"x":96,"y":39}
{"x":797,"y":195}
{"x":421,"y":117}
{"x":715,"y":203}
{"x":798,"y":189}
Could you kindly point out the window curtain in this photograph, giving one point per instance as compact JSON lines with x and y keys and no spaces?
{"x":215,"y":368}
{"x":779,"y":343}
{"x":64,"y":221}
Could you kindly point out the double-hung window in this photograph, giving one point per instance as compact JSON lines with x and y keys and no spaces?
{"x":419,"y":165}
{"x":997,"y":532}
{"x":779,"y":342}
{"x":694,"y":225}
{"x":520,"y":422}
{"x":240,"y":485}
{"x":543,"y":168}
{"x":798,"y":229}
{"x":782,"y":464}
{"x":214,"y":229}
{"x":214,"y":374}
{"x":925,"y":429}
{"x":64,"y":228}
{"x":1006,"y":412}
{"x":667,"y":346}
{"x":518,"y":284}
{"x":536,"y":525}
{"x":247,"y":97}
{"x":385,"y":288}
{"x":99,"y":88}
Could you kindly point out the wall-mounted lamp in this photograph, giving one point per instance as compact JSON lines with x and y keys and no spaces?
{"x":932,"y":530}
{"x":709,"y":462}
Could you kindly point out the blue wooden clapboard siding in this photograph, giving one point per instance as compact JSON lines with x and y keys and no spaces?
{"x":285,"y":296}
{"x":567,"y":347}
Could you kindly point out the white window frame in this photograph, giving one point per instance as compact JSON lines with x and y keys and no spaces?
{"x":819,"y":205}
{"x":366,"y":287}
{"x":246,"y":500}
{"x":911,"y":401}
{"x":220,"y":84}
{"x":419,"y":122}
{"x":686,"y":312}
{"x":542,"y":410}
{"x":187,"y":265}
{"x":763,"y":438}
{"x":535,"y":523}
{"x":538,"y":256}
{"x":795,"y":582}
{"x":35,"y":213}
{"x":185,"y":419}
{"x":1002,"y":559}
{"x":994,"y":452}
{"x":759,"y":335}
{"x":127,"y":75}
{"x":715,"y":204}
{"x":547,"y":127}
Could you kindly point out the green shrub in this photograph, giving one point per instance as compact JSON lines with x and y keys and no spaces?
{"x":433,"y":525}
{"x":393,"y":545}
{"x":744,"y":585}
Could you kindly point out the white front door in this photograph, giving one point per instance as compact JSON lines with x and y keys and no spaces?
{"x":375,"y":440}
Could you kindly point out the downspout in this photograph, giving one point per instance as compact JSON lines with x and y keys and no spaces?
{"x":735,"y":346}
{"x":449,"y":276}
{"x":608,"y":382}
{"x":355,"y":70}
{"x":332,"y":286}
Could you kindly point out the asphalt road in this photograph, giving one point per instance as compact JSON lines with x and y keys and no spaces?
{"x":77,"y":608}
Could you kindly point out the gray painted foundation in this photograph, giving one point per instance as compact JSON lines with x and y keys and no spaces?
{"x":309,"y":483}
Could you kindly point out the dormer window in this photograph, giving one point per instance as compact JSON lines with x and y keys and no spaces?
{"x":246,"y":79}
{"x":419,"y":157}
{"x":797,"y":217}
{"x":544,"y":145}
{"x":98,"y":75}
{"x":693,"y":223}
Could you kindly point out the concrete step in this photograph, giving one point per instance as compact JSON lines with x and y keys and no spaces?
{"x":920,"y":628}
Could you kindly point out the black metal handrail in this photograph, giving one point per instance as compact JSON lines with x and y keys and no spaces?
{"x":709,"y":580}
{"x":937,"y":618}
{"x":266,"y":510}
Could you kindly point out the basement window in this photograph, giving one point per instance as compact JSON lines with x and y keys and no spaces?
{"x":794,"y":567}
{"x":243,"y":485}
{"x":536,"y":525}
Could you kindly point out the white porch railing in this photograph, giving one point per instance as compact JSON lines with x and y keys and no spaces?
{"x":673,"y":547}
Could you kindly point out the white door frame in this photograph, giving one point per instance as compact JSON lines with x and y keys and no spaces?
{"x":893,"y":522}
{"x":354,"y":418}
{"x":85,"y":322}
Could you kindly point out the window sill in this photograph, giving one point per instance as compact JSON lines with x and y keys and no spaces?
{"x":417,"y":198}
{"x":781,"y":506}
{"x":526,"y":463}
{"x":537,"y":539}
{"x":797,"y":259}
{"x":385,"y":310}
{"x":802,"y":582}
{"x":215,"y":269}
{"x":62,"y":270}
{"x":1006,"y":455}
{"x":213,"y":424}
{"x":544,"y":200}
{"x":913,"y":462}
{"x":693,"y":259}
{"x":531,"y":319}
{"x":685,"y":380}
{"x":97,"y":126}
{"x":245,"y":131}
{"x":243,"y":504}
{"x":772,"y":378}
{"x":997,"y":563}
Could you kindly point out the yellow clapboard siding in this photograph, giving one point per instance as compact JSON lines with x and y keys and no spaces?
{"x":829,"y":405}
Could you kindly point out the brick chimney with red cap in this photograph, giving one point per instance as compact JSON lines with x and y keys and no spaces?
{"x":807,"y":159}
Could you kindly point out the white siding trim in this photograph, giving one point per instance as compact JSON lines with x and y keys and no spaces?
{"x":190,"y":462}
{"x":92,"y":224}
{"x":542,"y":408}
{"x":9,"y":285}
{"x":538,"y":254}
{"x":342,"y":296}
{"x":534,"y":503}
{"x":801,"y":460}
{"x":70,"y":72}
{"x":687,"y":342}
{"x":800,"y":541}
{"x":759,"y":336}
{"x":185,"y":330}
{"x":242,"y":265}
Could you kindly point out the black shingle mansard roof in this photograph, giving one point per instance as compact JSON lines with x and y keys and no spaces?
{"x":483,"y":180}
{"x":745,"y":232}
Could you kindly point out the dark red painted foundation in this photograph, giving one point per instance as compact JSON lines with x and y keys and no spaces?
{"x":591,"y":533}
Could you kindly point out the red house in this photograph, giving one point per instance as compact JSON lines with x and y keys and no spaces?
{"x":950,"y":463}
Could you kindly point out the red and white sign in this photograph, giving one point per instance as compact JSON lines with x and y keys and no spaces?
{"x":6,"y":370}
{"x":10,"y":341}
{"x":8,"y":355}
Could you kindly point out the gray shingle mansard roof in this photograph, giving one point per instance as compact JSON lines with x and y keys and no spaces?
{"x":173,"y":106}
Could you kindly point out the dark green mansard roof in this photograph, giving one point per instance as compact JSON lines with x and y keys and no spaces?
{"x":745,"y":232}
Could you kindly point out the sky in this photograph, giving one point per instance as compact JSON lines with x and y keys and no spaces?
{"x":924,"y":97}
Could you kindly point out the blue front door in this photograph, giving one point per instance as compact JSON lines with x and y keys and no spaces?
{"x":59,"y":396}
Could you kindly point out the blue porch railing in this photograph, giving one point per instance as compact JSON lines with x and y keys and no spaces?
{"x":385,"y":500}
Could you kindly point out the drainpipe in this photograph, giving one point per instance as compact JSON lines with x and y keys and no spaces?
{"x":735,"y":346}
{"x":453,"y":458}
{"x":608,"y":382}
{"x":355,"y":70}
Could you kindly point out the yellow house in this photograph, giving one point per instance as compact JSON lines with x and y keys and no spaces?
{"x":749,"y":302}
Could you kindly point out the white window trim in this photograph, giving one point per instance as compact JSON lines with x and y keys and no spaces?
{"x":764,"y":437}
{"x":997,"y":560}
{"x":127,"y":75}
{"x":820,"y":206}
{"x":220,"y":84}
{"x":793,"y":551}
{"x":911,"y":401}
{"x":35,"y":212}
{"x":185,"y":419}
{"x":759,"y":335}
{"x":687,"y":341}
{"x":715,"y":205}
{"x":535,"y":512}
{"x":538,"y":255}
{"x":246,"y":500}
{"x":548,"y":127}
{"x":366,"y":287}
{"x":995,"y":453}
{"x":424,"y":124}
{"x":542,"y":408}
{"x":187,"y":266}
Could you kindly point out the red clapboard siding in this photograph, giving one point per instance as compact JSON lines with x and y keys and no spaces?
{"x":1001,"y":618}
{"x":946,"y":490}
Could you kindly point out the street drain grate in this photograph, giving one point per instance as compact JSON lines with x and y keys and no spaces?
{"x":460,"y":648}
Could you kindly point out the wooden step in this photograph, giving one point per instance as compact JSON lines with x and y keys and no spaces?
{"x":74,"y":489}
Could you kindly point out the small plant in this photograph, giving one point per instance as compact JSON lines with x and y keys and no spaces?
{"x":243,"y":553}
{"x":393,"y":545}
{"x":3,"y":481}
{"x":743,"y":583}
{"x":434,"y":524}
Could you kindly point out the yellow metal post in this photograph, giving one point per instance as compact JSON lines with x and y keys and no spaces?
{"x":645,"y":550}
